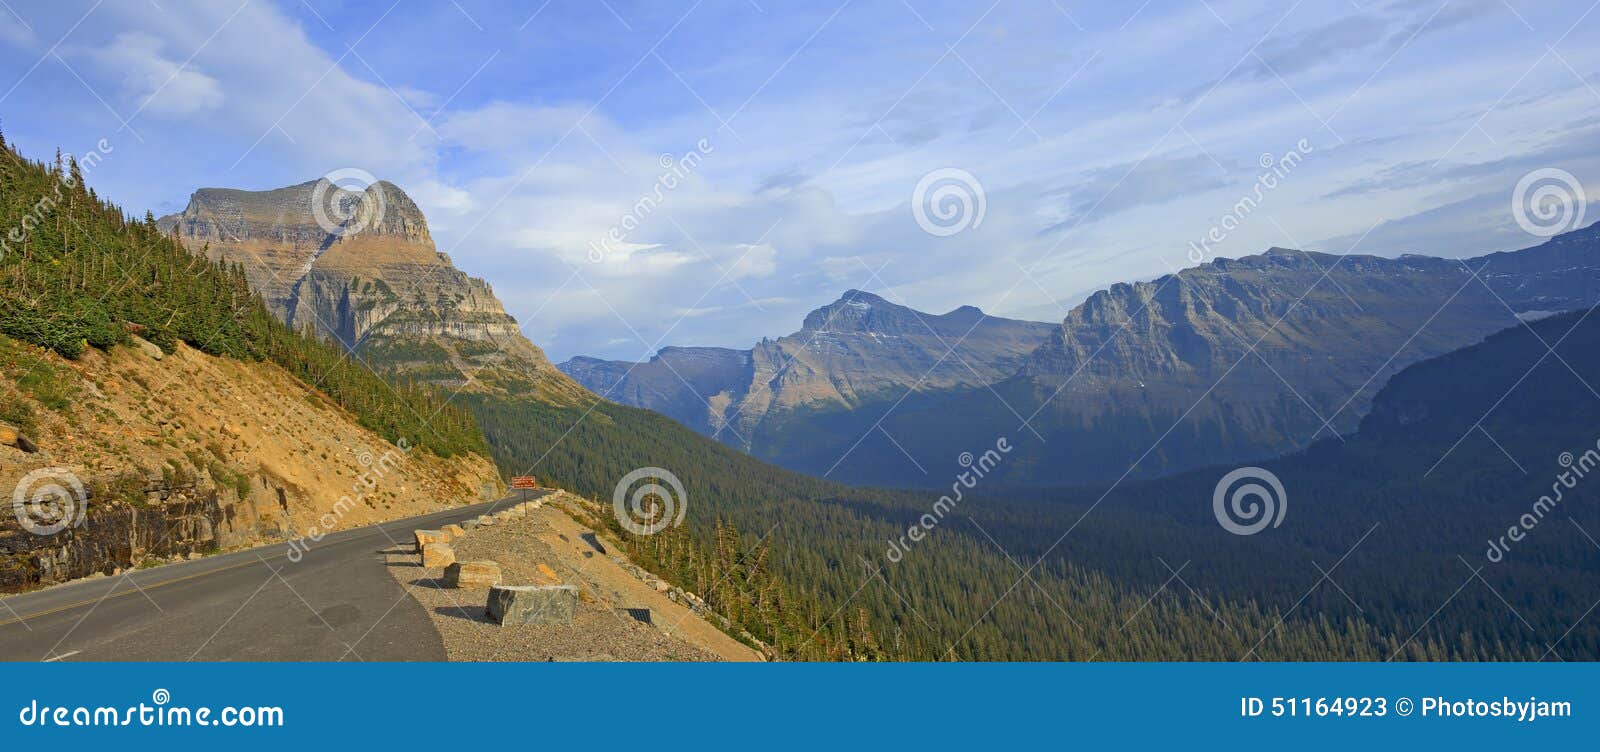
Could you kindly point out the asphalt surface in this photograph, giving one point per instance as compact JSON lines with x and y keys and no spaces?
{"x":337,"y":603}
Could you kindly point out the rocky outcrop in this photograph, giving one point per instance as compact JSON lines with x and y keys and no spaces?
{"x":174,"y":522}
{"x":361,"y":268}
{"x":11,"y":437}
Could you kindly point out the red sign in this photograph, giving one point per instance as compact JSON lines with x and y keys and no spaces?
{"x":524,"y":481}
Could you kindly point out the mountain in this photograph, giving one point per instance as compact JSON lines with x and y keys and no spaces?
{"x":1229,"y":360}
{"x":1233,"y":359}
{"x":360,"y":268}
{"x":849,"y":357}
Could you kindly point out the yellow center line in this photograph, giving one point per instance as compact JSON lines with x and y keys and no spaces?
{"x":137,"y":586}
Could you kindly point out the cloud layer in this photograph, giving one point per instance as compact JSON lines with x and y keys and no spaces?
{"x":1102,"y":140}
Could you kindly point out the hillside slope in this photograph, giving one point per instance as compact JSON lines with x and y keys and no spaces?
{"x":217,"y":453}
{"x":1416,"y":506}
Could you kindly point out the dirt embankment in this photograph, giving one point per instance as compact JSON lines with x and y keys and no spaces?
{"x":620,"y":617}
{"x":244,"y":452}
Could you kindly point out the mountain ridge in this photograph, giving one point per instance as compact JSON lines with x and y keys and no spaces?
{"x":1243,"y":358}
{"x":848,"y":353}
{"x":1228,"y":360}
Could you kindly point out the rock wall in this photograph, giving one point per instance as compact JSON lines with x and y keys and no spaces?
{"x":174,"y":523}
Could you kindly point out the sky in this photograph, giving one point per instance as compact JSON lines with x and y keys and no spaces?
{"x":632,"y":175}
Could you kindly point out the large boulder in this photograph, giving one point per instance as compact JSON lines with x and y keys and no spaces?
{"x":472,"y":574}
{"x":147,"y":347}
{"x":438,"y":555}
{"x":11,"y":437}
{"x":424,"y":537}
{"x":515,"y":605}
{"x":455,"y":531}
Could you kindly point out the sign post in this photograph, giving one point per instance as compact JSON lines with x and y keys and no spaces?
{"x":524,"y":483}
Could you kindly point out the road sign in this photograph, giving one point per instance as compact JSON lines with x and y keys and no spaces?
{"x":524,"y":481}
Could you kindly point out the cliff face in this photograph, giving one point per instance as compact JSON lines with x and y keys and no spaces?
{"x":1312,"y":332}
{"x":1332,"y":330}
{"x":360,"y":267}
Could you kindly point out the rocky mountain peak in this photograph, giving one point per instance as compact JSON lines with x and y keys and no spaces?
{"x":359,"y":266}
{"x":306,"y":213}
{"x":856,"y":311}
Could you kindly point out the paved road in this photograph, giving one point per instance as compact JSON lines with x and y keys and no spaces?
{"x":339,"y":602}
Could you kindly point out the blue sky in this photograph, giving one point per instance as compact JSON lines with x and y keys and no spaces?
{"x":1105,"y":138}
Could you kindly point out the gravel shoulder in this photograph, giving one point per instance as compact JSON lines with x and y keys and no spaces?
{"x":619,"y":616}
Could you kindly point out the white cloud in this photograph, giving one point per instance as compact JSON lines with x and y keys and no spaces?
{"x":155,"y":82}
{"x":15,"y":31}
{"x":808,"y":192}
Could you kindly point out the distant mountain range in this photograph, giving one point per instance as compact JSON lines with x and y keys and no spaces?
{"x":1230,"y":360}
{"x":854,"y":357}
